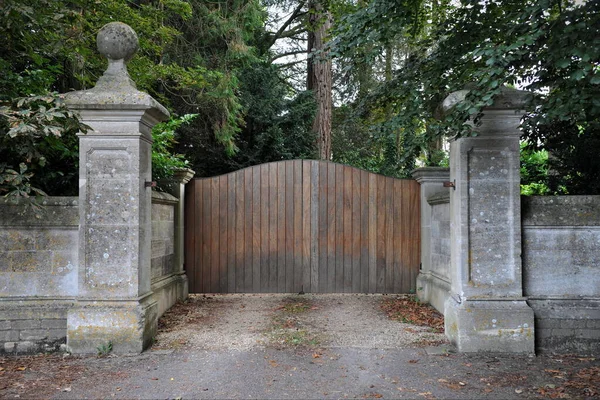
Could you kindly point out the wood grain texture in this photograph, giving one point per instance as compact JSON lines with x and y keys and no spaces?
{"x":304,"y":225}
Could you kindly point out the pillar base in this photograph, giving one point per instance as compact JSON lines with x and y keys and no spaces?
{"x":129,"y":325}
{"x":494,"y":326}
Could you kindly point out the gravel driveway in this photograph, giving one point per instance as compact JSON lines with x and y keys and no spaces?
{"x":243,"y":322}
{"x":296,"y":347}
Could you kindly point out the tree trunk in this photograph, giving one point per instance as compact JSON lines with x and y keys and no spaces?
{"x":319,"y":78}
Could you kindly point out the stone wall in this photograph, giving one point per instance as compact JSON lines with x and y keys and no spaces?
{"x":38,"y":273}
{"x":433,"y":282}
{"x":440,"y":249}
{"x":163,"y":231}
{"x":561,"y":271}
{"x":165,"y":274}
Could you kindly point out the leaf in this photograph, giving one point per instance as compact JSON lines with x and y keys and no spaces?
{"x":578,"y":75}
{"x":564,"y":63}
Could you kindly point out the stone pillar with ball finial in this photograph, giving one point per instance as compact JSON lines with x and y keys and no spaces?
{"x":114,"y":308}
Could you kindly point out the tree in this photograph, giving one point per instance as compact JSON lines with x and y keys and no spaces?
{"x":548,"y":47}
{"x":319,"y":75}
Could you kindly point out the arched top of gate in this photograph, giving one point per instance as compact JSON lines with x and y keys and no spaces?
{"x":303,"y":163}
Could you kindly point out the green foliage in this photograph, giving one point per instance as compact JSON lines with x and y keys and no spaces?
{"x":277,"y":126}
{"x":164,"y":161}
{"x":549,"y":47}
{"x":534,"y":171}
{"x":105,"y":349}
{"x":38,"y":147}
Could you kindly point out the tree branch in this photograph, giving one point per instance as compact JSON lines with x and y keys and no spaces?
{"x":286,"y":24}
{"x":289,"y":53}
{"x":290,"y":64}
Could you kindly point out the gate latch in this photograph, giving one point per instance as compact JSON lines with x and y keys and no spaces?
{"x":450,"y":184}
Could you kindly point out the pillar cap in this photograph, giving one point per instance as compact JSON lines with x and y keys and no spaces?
{"x":184,"y":175}
{"x":507,"y":99}
{"x":431,"y":174}
{"x":115,"y":90}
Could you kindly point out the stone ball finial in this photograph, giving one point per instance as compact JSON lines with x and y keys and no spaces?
{"x":117,"y":41}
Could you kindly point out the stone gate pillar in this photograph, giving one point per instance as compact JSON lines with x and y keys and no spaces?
{"x":431,"y":181}
{"x":114,"y":302}
{"x":486,"y":310}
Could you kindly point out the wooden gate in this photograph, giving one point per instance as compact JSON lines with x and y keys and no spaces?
{"x":300,"y":225}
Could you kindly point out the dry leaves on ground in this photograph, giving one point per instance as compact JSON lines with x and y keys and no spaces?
{"x":36,"y":375}
{"x":184,"y":312}
{"x":584,"y":383}
{"x":408,"y":309}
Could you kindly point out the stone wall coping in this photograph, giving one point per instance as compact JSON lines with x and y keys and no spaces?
{"x":46,"y":201}
{"x":431,"y":174}
{"x":57,"y":211}
{"x":439,"y":198}
{"x":163,"y":198}
{"x":184,"y":175}
{"x":508,"y":99}
{"x":560,"y":210}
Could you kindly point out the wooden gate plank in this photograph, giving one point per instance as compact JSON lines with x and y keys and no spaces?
{"x":256,"y":230}
{"x":214,"y":241}
{"x":306,"y":226}
{"x":399,"y":226}
{"x":189,"y":260}
{"x":297,"y":226}
{"x":331,"y":228}
{"x":280,"y":267}
{"x":314,"y":226}
{"x":322,"y":231}
{"x":372,"y":233}
{"x":355,"y":248}
{"x":264,"y":224}
{"x":346,"y":231}
{"x":249,"y":249}
{"x":339,"y":225}
{"x":206,"y":245}
{"x":289,"y":227}
{"x":364,"y":232}
{"x":240,"y":244}
{"x":389,"y":235}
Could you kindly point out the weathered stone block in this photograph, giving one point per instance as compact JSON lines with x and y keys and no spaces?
{"x":9,"y":336}
{"x":33,"y":335}
{"x":17,"y":239}
{"x":573,"y":323}
{"x":4,"y":325}
{"x":567,"y":325}
{"x":27,"y":347}
{"x":129,"y":325}
{"x":490,"y":326}
{"x":561,"y":210}
{"x":26,"y":324}
{"x":54,"y":324}
{"x":58,"y":211}
{"x":10,"y":347}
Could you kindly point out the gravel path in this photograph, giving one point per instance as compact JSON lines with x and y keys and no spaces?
{"x":243,"y":321}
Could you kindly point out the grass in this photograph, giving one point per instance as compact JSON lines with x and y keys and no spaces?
{"x":287,"y":330}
